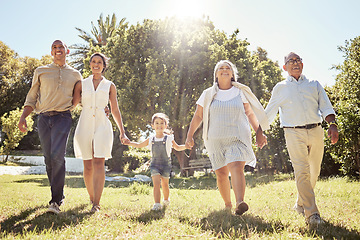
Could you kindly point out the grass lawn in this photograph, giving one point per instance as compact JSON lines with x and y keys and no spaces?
{"x":196,"y":210}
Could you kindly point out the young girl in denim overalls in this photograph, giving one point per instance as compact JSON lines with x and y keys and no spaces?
{"x":160,"y":165}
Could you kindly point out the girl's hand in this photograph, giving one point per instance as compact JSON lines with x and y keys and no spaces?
{"x":189,"y":143}
{"x":124,"y":139}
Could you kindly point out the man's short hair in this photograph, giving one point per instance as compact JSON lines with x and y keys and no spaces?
{"x":289,"y":56}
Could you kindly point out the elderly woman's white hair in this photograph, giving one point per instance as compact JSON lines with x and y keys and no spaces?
{"x":233,"y":69}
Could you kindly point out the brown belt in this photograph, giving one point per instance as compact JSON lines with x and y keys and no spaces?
{"x":307,"y":126}
{"x":53,"y":113}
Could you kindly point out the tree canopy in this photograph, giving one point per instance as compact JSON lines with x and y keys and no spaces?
{"x":164,"y":65}
{"x":98,"y":37}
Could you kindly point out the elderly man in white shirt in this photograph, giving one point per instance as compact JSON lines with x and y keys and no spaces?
{"x":302,"y":104}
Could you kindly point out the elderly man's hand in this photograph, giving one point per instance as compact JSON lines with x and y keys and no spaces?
{"x":333,"y":133}
{"x":261,"y":140}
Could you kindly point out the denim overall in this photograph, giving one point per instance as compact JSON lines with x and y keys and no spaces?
{"x":160,"y":162}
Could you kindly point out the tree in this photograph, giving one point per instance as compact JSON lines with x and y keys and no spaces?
{"x":98,"y":37}
{"x":161,"y":66}
{"x":15,"y":77}
{"x":164,"y":65}
{"x":346,"y":98}
{"x":13,"y":134}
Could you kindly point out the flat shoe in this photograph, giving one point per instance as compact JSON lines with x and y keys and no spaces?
{"x":241,"y":208}
{"x":95,"y":208}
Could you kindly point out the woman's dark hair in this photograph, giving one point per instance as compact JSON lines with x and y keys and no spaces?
{"x":103,"y":57}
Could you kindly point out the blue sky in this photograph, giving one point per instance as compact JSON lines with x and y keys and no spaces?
{"x":312,"y":28}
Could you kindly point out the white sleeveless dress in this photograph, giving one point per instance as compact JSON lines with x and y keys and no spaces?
{"x":94,"y":133}
{"x":229,"y":134}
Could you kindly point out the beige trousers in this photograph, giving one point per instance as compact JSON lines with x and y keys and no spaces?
{"x":306,"y":149}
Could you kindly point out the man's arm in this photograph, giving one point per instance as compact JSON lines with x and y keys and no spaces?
{"x":22,"y":122}
{"x":273,"y":106}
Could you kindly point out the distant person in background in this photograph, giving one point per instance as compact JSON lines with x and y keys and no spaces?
{"x":301,"y":103}
{"x":50,"y":96}
{"x":160,"y":165}
{"x":93,"y":138}
{"x":227,"y":109}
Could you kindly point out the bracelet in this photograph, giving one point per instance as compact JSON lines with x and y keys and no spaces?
{"x":332,"y":123}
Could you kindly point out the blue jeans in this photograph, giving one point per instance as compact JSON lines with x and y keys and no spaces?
{"x":53,"y":133}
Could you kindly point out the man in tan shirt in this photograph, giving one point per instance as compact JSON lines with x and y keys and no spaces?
{"x":50,"y":96}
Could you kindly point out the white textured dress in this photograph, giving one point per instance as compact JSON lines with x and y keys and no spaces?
{"x":94,"y":133}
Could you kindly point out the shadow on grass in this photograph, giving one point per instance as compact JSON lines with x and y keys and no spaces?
{"x":150,"y":215}
{"x":30,"y":221}
{"x":209,"y":181}
{"x":328,"y":230}
{"x":71,"y":182}
{"x":223,"y":224}
{"x":201,"y":182}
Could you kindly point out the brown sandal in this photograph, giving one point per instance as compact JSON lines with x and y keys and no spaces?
{"x":241,"y":208}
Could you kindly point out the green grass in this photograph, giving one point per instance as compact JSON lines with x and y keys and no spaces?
{"x":196,"y":210}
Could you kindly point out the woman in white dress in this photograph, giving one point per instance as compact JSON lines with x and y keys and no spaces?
{"x":93,"y":137}
{"x":227,"y":109}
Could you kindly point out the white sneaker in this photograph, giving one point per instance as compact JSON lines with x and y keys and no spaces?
{"x":166,"y":203}
{"x":95,"y":208}
{"x":156,"y":207}
{"x":314,"y":219}
{"x":54,"y":208}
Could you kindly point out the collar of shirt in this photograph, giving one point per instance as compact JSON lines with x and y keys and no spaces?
{"x":58,"y":66}
{"x":301,"y":79}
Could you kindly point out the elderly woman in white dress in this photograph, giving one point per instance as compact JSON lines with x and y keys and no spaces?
{"x":227,"y":109}
{"x":93,"y":138}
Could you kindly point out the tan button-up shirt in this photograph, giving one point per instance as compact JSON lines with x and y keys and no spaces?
{"x":52,"y":88}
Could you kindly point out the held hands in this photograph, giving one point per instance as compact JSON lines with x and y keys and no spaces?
{"x":189,"y":143}
{"x":333,"y":133}
{"x":124,"y":139}
{"x":107,"y":111}
{"x":261,"y":139}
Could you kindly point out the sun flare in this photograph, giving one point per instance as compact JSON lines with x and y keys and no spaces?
{"x":188,"y":8}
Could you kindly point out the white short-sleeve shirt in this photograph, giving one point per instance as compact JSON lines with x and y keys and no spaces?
{"x":224,"y":95}
{"x":169,"y":144}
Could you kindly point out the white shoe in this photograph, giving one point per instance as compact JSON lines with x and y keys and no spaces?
{"x":156,"y":207}
{"x":54,"y":208}
{"x":314,"y":220}
{"x":166,"y":203}
{"x":95,"y":208}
